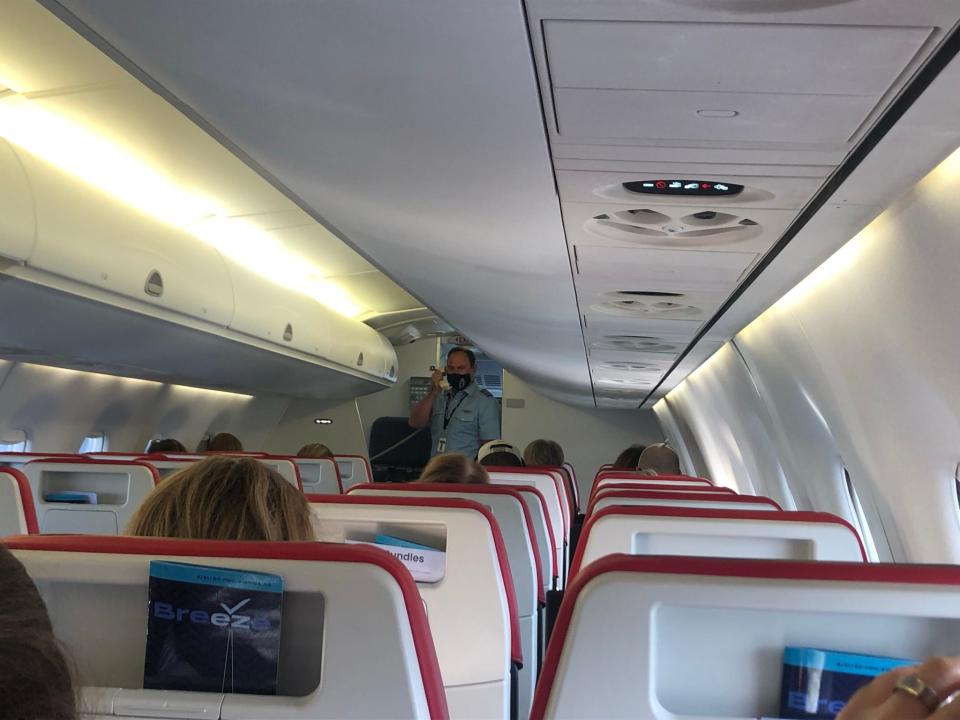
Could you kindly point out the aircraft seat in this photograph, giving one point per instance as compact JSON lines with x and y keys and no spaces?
{"x":18,"y":515}
{"x":354,"y":470}
{"x":516,"y":526}
{"x":606,"y":477}
{"x":718,"y":501}
{"x":118,"y":486}
{"x":473,"y":608}
{"x":319,"y":475}
{"x":703,"y":532}
{"x":355,"y":639}
{"x":673,"y":638}
{"x":553,"y":494}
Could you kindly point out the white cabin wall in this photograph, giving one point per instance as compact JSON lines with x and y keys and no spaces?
{"x":353,"y":420}
{"x":59,"y":407}
{"x":589,"y":437}
{"x":730,"y":421}
{"x":868,"y":344}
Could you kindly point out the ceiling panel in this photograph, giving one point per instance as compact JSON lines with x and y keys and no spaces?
{"x":718,"y":117}
{"x":729,"y":56}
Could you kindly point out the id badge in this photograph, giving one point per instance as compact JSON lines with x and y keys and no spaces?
{"x":442,"y":444}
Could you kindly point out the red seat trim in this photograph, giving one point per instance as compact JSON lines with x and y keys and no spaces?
{"x":26,"y":499}
{"x":516,"y":650}
{"x":707,"y":513}
{"x":667,"y":495}
{"x":336,"y":468}
{"x":664,"y":487}
{"x":723,"y":567}
{"x":311,"y":551}
{"x":604,"y":474}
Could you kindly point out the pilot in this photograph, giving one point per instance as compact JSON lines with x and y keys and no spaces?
{"x":462,"y":418}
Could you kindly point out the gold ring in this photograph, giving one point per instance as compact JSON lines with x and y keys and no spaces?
{"x":915,"y":687}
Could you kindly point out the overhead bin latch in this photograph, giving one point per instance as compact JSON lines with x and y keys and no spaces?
{"x":154,"y":284}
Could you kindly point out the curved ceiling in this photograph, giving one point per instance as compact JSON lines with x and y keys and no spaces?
{"x":477,"y":151}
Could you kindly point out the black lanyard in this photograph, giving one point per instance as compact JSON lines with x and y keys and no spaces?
{"x":448,"y":416}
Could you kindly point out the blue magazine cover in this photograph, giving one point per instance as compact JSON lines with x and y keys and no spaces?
{"x":818,"y":683}
{"x":212,"y":629}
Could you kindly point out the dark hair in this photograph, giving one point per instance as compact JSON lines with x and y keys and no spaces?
{"x":628,"y":459}
{"x":454,"y":468}
{"x":543,"y":453}
{"x":224,"y":442}
{"x":501,"y":458}
{"x":165,"y":445}
{"x":35,"y":678}
{"x":315,"y":450}
{"x":466,"y":351}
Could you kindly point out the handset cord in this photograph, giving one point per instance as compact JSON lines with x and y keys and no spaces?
{"x":398,"y":444}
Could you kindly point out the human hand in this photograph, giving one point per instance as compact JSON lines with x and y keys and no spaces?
{"x":882,"y":700}
{"x":436,"y":379}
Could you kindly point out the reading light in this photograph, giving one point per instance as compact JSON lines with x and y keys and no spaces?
{"x":323,"y":421}
{"x":98,"y":161}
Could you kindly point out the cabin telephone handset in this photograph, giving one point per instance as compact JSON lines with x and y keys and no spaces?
{"x":444,"y":384}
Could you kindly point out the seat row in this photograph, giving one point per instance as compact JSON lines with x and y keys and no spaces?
{"x":505,"y":550}
{"x":120,"y":482}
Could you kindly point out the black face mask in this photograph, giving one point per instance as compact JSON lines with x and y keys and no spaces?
{"x":458,"y":382}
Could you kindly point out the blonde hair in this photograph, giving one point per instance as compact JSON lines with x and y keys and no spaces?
{"x":543,"y":453}
{"x":454,"y":468}
{"x":659,"y":459}
{"x":315,"y":450}
{"x":224,"y":498}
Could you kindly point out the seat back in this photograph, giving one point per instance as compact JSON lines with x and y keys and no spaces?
{"x":547,"y":486}
{"x":679,"y":499}
{"x":285,"y":466}
{"x":574,"y":486}
{"x":354,"y":470}
{"x":516,"y":526}
{"x":604,"y":490}
{"x":472,"y":609}
{"x":117,"y":486}
{"x":17,"y":513}
{"x":166,"y":465}
{"x":716,"y":533}
{"x":344,"y":608}
{"x":319,"y":475}
{"x":607,"y":477}
{"x":543,"y":530}
{"x":669,"y":637}
{"x":19,"y":459}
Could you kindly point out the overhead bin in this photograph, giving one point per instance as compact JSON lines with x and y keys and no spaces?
{"x":65,"y":235}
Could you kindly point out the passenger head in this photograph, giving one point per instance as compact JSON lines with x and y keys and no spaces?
{"x":35,"y":679}
{"x":224,"y":498}
{"x":224,"y":442}
{"x":166,"y":445}
{"x":454,"y":468}
{"x":545,"y":453}
{"x":461,"y":367}
{"x":499,"y":453}
{"x":659,"y":460}
{"x":628,"y":459}
{"x":315,"y":450}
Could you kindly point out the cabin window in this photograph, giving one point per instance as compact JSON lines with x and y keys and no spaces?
{"x":15,"y":441}
{"x":862,"y":526}
{"x":94,"y":442}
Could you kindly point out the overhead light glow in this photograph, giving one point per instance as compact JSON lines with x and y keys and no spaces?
{"x":98,"y":161}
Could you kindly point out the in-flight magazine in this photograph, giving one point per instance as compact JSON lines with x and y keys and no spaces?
{"x":212,"y":629}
